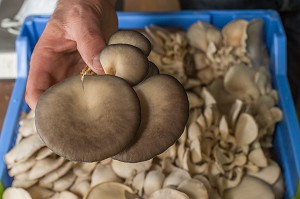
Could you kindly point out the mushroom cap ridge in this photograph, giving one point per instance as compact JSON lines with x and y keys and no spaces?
{"x":88,"y":124}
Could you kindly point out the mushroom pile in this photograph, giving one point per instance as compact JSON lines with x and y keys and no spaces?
{"x":224,"y":151}
{"x":116,"y":114}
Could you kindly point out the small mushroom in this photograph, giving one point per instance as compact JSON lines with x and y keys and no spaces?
{"x":81,"y":186}
{"x":43,"y":153}
{"x":176,"y":177}
{"x":65,"y":182}
{"x":127,"y":170}
{"x":235,"y":33}
{"x":84,"y":169}
{"x":104,"y":173}
{"x":138,"y":182}
{"x":21,"y":167}
{"x":45,"y":166}
{"x":65,"y":195}
{"x":258,"y":158}
{"x":246,"y":130}
{"x":168,"y":193}
{"x":16,"y":193}
{"x":239,"y":81}
{"x":153,"y":181}
{"x":133,"y":38}
{"x":57,"y":173}
{"x":125,"y":61}
{"x":22,"y":151}
{"x":109,"y":190}
{"x":269,"y":174}
{"x":250,"y":188}
{"x":37,"y":192}
{"x":201,"y":33}
{"x":194,"y":188}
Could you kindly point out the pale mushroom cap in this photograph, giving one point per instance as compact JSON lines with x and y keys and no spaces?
{"x":164,"y":110}
{"x":125,"y":61}
{"x":250,"y":188}
{"x":16,"y":193}
{"x":133,"y":38}
{"x":168,"y":193}
{"x":96,"y":123}
{"x":109,"y":190}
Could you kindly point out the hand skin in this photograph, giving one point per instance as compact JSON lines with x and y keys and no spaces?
{"x":73,"y":38}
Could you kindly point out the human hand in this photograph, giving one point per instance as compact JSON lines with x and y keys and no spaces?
{"x":74,"y":36}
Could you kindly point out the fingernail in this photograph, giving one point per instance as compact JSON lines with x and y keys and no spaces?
{"x":97,"y":65}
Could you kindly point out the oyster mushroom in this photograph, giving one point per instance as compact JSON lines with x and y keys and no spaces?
{"x":194,"y":188}
{"x":158,"y":112}
{"x":127,"y":170}
{"x":153,"y":181}
{"x":176,"y":177}
{"x":239,"y":81}
{"x":64,"y":182}
{"x":201,"y":33}
{"x":250,"y":188}
{"x":246,"y":130}
{"x":37,"y":192}
{"x":125,"y":61}
{"x":168,"y":193}
{"x":104,"y":173}
{"x":22,"y":151}
{"x":16,"y":193}
{"x":101,"y":139}
{"x":133,"y":38}
{"x":109,"y":190}
{"x":235,"y":33}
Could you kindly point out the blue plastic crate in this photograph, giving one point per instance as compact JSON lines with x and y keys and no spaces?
{"x":287,"y":135}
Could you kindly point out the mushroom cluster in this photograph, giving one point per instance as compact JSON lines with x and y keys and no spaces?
{"x":205,"y":53}
{"x":116,"y":114}
{"x":223,"y":152}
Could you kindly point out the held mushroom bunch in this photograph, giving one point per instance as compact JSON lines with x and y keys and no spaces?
{"x":116,"y":114}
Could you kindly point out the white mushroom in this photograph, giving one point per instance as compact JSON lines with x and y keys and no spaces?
{"x":168,"y":193}
{"x":194,"y":188}
{"x":84,"y":169}
{"x":257,"y":157}
{"x":269,"y":174}
{"x":250,"y":188}
{"x":104,"y":173}
{"x":57,"y":173}
{"x":43,"y":153}
{"x":65,"y":195}
{"x":65,"y":182}
{"x":109,"y":190}
{"x":37,"y":192}
{"x":176,"y":177}
{"x":21,"y":167}
{"x":45,"y":166}
{"x":24,"y":149}
{"x":16,"y":193}
{"x":128,"y":170}
{"x":201,"y":33}
{"x":246,"y":130}
{"x":153,"y":181}
{"x":138,"y":182}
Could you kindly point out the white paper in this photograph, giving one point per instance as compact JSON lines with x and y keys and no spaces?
{"x":8,"y":65}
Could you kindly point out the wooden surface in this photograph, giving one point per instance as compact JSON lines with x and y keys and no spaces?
{"x":6,"y":87}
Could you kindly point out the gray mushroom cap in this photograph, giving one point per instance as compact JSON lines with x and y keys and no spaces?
{"x":88,"y":124}
{"x":164,"y":112}
{"x":133,"y":38}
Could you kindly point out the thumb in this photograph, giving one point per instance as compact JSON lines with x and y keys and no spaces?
{"x":89,"y":45}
